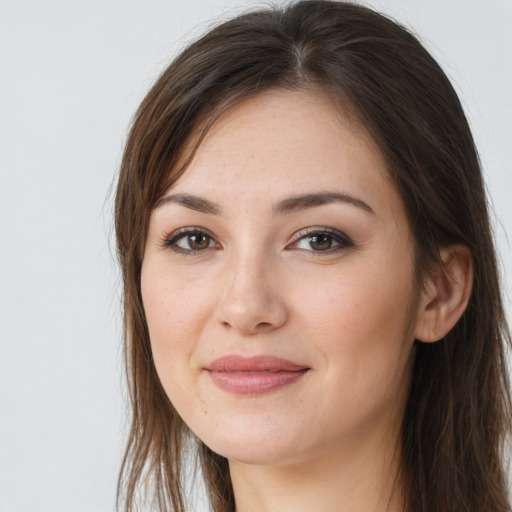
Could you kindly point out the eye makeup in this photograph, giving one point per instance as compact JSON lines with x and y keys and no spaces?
{"x":321,"y":240}
{"x":190,"y":241}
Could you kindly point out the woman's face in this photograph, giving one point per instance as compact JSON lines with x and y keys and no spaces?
{"x":278,"y":286}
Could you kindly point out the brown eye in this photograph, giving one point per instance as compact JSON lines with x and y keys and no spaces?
{"x":320,"y":242}
{"x":195,"y":242}
{"x":190,"y":241}
{"x":198,"y":242}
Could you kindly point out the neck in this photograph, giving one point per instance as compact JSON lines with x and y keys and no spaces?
{"x":361,"y":477}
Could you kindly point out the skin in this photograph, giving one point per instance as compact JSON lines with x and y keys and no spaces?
{"x":261,"y":285}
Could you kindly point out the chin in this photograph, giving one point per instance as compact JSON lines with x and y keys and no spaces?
{"x":253,"y":447}
{"x":254,"y":454}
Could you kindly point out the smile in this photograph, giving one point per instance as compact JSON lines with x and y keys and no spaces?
{"x":254,"y":375}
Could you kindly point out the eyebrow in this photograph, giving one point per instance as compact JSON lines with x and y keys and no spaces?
{"x":192,"y":202}
{"x":288,"y":205}
{"x":302,"y":202}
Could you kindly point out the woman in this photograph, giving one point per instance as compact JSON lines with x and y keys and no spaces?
{"x":311,"y":294}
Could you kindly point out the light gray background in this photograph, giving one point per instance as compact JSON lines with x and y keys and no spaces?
{"x":72,"y":74}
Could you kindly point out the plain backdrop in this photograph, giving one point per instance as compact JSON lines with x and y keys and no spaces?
{"x":72,"y":74}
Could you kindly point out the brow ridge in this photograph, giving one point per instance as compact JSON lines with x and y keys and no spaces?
{"x":305,"y":201}
{"x":199,"y":204}
{"x":288,"y":205}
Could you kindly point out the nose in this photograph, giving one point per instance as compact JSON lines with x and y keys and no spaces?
{"x":250,"y":301}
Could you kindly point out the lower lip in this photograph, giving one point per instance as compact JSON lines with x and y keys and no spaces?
{"x":245,"y":383}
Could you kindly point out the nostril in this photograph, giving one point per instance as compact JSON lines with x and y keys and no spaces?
{"x":252,"y":317}
{"x":259,"y":326}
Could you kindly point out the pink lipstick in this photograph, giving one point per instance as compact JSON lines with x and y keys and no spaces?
{"x":254,"y":375}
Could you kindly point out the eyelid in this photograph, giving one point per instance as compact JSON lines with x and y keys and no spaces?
{"x":338,"y":236}
{"x":169,"y":240}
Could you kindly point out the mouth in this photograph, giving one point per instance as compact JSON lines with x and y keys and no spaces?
{"x":255,"y":375}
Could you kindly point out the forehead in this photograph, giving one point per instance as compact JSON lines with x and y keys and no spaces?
{"x":286,"y":142}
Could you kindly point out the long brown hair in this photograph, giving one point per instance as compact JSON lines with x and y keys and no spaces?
{"x":458,"y":410}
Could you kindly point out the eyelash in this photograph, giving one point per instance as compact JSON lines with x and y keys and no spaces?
{"x":336,"y":236}
{"x":341,"y":239}
{"x":171,"y":240}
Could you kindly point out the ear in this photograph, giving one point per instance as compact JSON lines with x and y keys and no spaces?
{"x":446,"y":294}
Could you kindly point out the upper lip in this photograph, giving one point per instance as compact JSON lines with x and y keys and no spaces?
{"x":263,"y":363}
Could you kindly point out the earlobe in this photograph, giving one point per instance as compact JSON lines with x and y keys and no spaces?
{"x":446,"y":294}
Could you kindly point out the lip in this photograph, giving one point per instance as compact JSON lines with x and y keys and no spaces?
{"x":254,"y":375}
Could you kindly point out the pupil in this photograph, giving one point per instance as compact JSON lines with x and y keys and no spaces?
{"x":198,"y":241}
{"x":321,"y":242}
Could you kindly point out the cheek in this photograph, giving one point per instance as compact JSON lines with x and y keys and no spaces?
{"x":171,"y":298}
{"x":361,"y":323}
{"x":174,"y":310}
{"x":361,"y":326}
{"x":356,"y":300}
